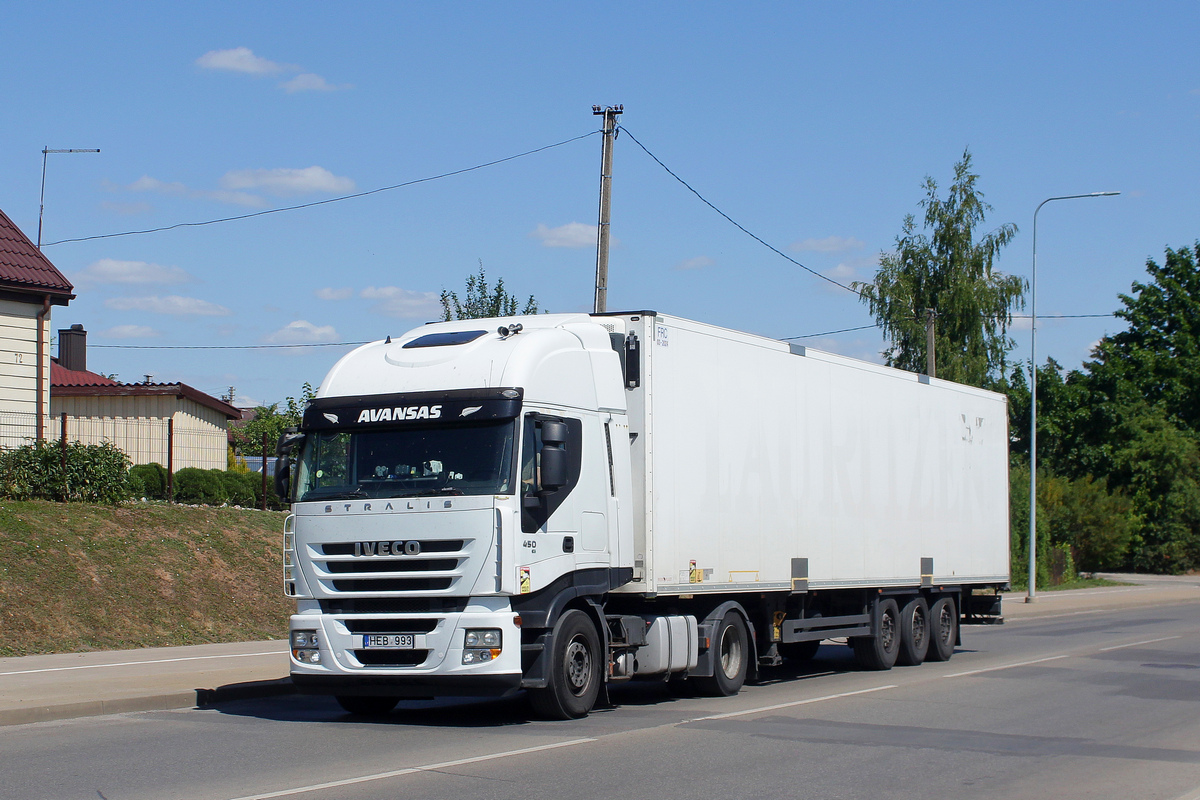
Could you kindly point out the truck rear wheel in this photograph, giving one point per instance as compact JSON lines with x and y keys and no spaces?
{"x":914,"y":632}
{"x":367,"y":705}
{"x":943,"y":629}
{"x":879,"y":651}
{"x":731,"y":658}
{"x":575,"y":665}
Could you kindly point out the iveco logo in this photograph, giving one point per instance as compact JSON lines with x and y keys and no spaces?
{"x":387,"y":548}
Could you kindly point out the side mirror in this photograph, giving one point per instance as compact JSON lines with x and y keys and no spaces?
{"x":554,"y":467}
{"x":283,"y":479}
{"x":288,"y":441}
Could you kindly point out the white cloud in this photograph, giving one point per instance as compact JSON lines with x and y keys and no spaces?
{"x":171,"y":304}
{"x":238,"y":59}
{"x":308,"y":82}
{"x":830,"y":244}
{"x":329,"y":293}
{"x":699,"y":262}
{"x":285,"y":182}
{"x":573,"y":234}
{"x":302,"y":332}
{"x":853,"y":269}
{"x":110,"y":270}
{"x":396,"y":302}
{"x":148,"y":184}
{"x":129,"y":332}
{"x":177,"y":189}
{"x":127,"y":209}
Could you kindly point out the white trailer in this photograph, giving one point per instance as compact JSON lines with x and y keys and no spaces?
{"x":554,"y":503}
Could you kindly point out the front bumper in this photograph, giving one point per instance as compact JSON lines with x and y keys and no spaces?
{"x":433,"y":667}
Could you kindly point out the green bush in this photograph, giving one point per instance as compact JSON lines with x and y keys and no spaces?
{"x":94,"y":473}
{"x":149,"y":481}
{"x":200,"y":486}
{"x":239,"y":491}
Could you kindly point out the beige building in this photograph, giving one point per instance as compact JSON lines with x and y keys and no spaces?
{"x":168,"y":423}
{"x":29,"y":287}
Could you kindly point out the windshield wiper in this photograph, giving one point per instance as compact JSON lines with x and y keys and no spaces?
{"x":342,"y":495}
{"x":431,"y":492}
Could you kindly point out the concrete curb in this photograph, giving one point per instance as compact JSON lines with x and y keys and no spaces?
{"x":195,"y":698}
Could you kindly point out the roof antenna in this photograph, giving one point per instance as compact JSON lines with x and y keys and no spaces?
{"x":388,"y":340}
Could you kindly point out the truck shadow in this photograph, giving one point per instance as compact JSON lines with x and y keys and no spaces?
{"x":473,"y":712}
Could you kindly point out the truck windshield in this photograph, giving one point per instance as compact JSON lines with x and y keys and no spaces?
{"x":408,"y":462}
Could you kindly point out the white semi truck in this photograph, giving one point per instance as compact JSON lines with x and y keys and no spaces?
{"x":557,"y":503}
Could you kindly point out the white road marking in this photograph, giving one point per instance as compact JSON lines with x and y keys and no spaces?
{"x":1005,"y":666}
{"x":140,"y":663}
{"x":316,"y":787}
{"x":794,"y":703}
{"x":1135,"y":644}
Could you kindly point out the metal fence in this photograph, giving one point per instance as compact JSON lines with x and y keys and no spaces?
{"x":170,"y":442}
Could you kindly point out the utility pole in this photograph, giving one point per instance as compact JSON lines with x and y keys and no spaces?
{"x":930,"y":356}
{"x":610,"y":114}
{"x":42,"y":204}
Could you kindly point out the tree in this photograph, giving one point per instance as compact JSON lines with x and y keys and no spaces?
{"x":952,"y":272}
{"x":271,"y":420}
{"x":482,"y":302}
{"x":1157,"y":359}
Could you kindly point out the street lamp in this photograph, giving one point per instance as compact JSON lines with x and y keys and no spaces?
{"x":1032,"y":595}
{"x":42,"y":204}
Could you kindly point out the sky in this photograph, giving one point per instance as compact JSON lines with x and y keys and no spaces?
{"x":812,"y":125}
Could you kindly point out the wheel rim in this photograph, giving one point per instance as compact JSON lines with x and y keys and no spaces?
{"x":918,"y":627}
{"x":731,"y":653}
{"x":887,"y":631}
{"x":579,"y":666}
{"x":945,"y":623}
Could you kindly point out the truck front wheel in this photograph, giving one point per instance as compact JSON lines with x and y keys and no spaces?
{"x":575,"y":665}
{"x":731,"y":659}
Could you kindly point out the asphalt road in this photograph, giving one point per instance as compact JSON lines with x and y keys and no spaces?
{"x":1091,"y":704}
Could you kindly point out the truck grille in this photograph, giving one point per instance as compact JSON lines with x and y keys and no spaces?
{"x":437,"y":567}
{"x":359,"y":625}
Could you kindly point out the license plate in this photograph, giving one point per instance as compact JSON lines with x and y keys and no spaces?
{"x":392,"y":641}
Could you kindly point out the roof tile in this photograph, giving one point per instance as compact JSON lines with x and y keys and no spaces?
{"x":23,"y":266}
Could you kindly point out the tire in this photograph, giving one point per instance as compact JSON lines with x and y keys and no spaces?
{"x":914,"y":632}
{"x":879,"y":651}
{"x":943,"y":629}
{"x":799,"y":652}
{"x":731,"y":658}
{"x":367,"y":705}
{"x":575,"y":670}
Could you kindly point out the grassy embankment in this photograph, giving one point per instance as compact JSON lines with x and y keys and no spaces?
{"x":79,"y":577}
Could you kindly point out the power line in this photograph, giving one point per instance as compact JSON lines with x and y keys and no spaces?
{"x":827,"y":333}
{"x":734,"y":222}
{"x":328,"y":200}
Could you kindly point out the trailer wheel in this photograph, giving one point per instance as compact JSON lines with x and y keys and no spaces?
{"x":943,"y":629}
{"x":914,"y":632}
{"x":367,"y":705}
{"x":574,"y":670}
{"x":879,"y":651}
{"x":731,"y":659}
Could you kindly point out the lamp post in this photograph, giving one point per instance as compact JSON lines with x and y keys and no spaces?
{"x":42,"y":203}
{"x":1032,"y":595}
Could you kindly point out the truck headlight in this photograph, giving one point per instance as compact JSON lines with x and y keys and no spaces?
{"x":305,"y":646}
{"x":480,"y":645}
